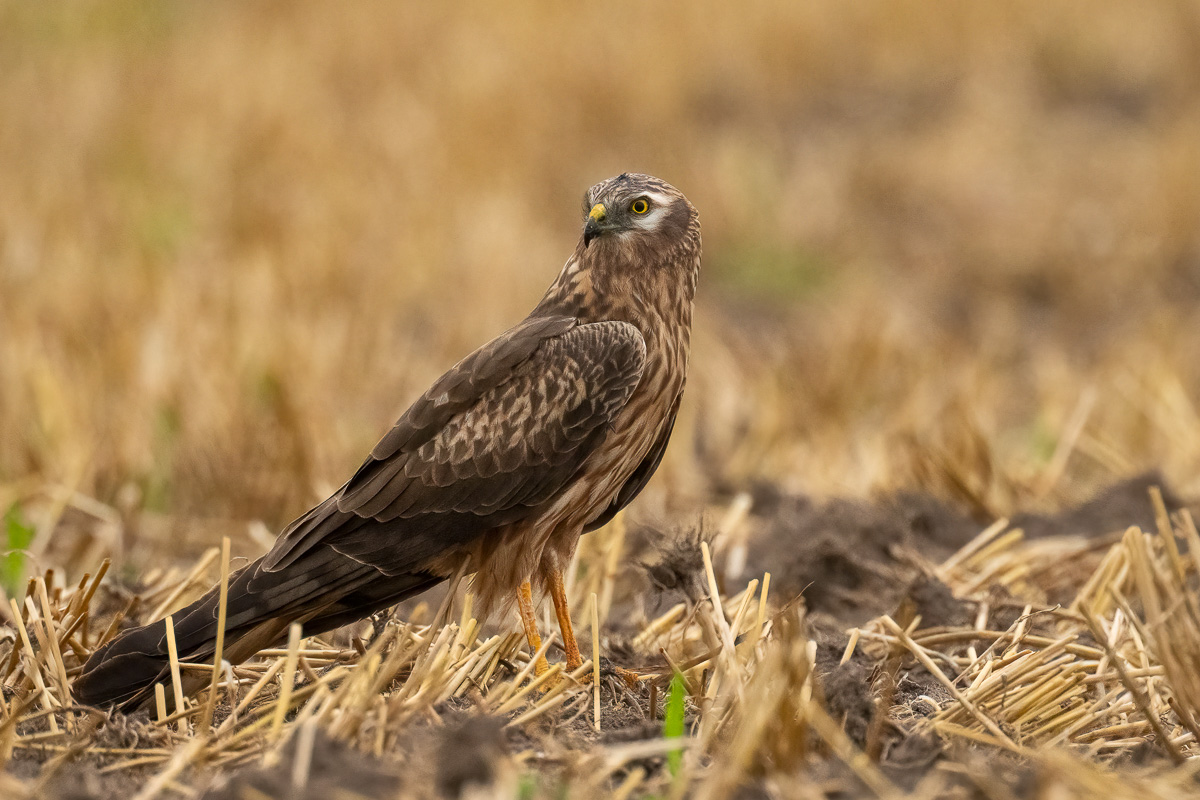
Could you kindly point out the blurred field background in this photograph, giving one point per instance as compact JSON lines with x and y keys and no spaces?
{"x":237,"y":239}
{"x":950,"y":247}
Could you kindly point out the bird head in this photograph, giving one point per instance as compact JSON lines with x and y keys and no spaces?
{"x":632,"y":209}
{"x":640,"y":252}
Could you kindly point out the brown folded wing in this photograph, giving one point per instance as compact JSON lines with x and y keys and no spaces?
{"x":494,"y":438}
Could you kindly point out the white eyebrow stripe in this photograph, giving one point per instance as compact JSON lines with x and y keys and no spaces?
{"x":658,"y":198}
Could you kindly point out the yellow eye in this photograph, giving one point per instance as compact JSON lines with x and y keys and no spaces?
{"x":639,"y":206}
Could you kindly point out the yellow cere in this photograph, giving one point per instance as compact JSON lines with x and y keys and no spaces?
{"x":597,"y":213}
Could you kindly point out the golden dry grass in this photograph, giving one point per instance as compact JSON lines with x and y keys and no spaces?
{"x":948,"y":247}
{"x":1062,"y":690}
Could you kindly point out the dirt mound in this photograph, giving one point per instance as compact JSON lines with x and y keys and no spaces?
{"x":853,"y":560}
{"x":1111,"y":510}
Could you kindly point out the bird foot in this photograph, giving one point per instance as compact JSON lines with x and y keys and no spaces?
{"x":610,"y":670}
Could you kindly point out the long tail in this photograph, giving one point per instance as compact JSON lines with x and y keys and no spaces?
{"x":323,"y":590}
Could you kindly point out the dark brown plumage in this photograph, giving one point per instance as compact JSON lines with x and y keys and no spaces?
{"x":540,"y":435}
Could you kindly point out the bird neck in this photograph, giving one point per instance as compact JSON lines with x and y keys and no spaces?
{"x":654,"y":294}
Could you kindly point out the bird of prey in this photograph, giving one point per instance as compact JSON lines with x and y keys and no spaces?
{"x":537,"y":437}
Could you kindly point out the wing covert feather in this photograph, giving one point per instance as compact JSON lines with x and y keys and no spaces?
{"x":466,"y":381}
{"x":492,"y":438}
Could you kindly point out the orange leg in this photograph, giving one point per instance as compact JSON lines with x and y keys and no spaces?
{"x":525,"y":606}
{"x":563,"y":611}
{"x":574,"y":659}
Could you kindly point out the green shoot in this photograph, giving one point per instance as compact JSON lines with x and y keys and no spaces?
{"x":673,"y":721}
{"x":18,"y":535}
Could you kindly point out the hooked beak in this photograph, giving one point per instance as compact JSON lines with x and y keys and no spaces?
{"x":594,"y":224}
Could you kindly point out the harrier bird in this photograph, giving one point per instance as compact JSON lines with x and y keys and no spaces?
{"x":534,"y":439}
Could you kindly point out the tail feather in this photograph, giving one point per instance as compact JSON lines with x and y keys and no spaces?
{"x":320,"y":591}
{"x":113,"y":675}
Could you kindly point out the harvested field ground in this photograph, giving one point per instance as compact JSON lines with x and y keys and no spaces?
{"x":925,"y":529}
